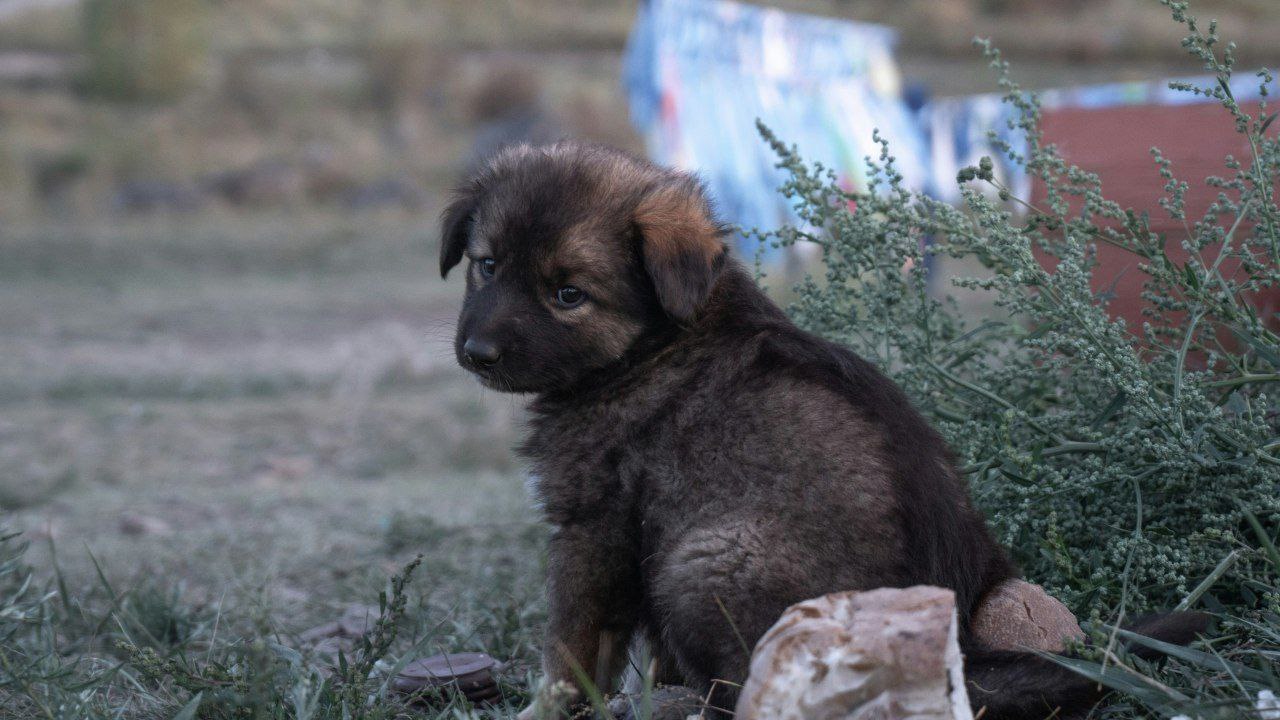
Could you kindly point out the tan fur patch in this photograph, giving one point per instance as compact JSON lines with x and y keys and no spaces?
{"x":610,"y":333}
{"x":674,"y":220}
{"x":681,"y":245}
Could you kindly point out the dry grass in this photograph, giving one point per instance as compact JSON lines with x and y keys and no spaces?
{"x":228,"y":414}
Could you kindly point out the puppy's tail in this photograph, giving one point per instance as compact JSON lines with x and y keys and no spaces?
{"x":1013,"y":685}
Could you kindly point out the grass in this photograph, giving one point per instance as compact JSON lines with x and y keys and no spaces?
{"x":214,"y":440}
{"x":146,"y":649}
{"x":1229,"y":675}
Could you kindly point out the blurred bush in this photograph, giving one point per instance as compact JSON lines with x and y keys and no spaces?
{"x":143,"y":49}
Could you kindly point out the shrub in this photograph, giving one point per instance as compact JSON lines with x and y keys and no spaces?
{"x":1116,"y":462}
{"x":142,"y":49}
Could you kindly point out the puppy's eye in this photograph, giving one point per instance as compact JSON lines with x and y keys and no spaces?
{"x":487,"y":266}
{"x":570,"y":296}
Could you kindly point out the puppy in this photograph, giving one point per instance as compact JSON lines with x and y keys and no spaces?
{"x":704,"y":463}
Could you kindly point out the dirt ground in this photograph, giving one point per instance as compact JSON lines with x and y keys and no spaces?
{"x":289,"y":425}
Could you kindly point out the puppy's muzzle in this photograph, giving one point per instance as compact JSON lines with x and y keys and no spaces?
{"x":481,"y":352}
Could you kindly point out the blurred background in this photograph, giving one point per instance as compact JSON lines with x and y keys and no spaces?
{"x":225,"y":351}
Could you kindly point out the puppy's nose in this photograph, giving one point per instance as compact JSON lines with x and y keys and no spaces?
{"x":481,"y":352}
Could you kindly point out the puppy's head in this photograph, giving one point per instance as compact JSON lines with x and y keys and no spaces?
{"x":573,"y":253}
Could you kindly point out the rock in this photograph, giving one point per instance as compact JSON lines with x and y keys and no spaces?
{"x":468,"y":673}
{"x":327,"y":649}
{"x":387,"y":192}
{"x":279,"y":469}
{"x":135,"y":524}
{"x":266,"y":183}
{"x":1019,"y":615}
{"x":356,"y":620}
{"x":327,"y":640}
{"x":887,"y":653}
{"x":669,"y":702}
{"x":321,"y":632}
{"x":141,"y":196}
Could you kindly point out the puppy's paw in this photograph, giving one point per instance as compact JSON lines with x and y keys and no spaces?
{"x":552,"y":700}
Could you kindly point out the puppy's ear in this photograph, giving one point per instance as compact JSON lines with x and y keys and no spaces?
{"x":681,"y":245}
{"x":455,"y":225}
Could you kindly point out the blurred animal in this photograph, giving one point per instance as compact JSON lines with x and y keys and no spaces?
{"x":704,"y":462}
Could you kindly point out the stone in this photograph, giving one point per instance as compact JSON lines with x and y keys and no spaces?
{"x":668,"y":702}
{"x":886,"y":653}
{"x":356,"y":620}
{"x":137,"y":524}
{"x":428,"y":679}
{"x":276,"y":470}
{"x":1018,"y":615}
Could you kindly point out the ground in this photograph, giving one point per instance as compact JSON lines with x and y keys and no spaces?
{"x":263,"y":438}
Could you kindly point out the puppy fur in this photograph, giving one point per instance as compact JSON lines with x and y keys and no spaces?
{"x":704,"y":463}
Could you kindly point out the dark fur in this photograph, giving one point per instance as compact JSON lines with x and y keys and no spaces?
{"x":700,"y":457}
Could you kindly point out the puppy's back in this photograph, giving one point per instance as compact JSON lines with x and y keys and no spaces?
{"x":824,"y":456}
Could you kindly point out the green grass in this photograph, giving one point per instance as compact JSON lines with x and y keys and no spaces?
{"x":146,"y":649}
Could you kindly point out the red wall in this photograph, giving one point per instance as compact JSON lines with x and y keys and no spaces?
{"x":1115,"y":143}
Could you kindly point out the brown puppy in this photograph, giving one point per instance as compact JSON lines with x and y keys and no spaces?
{"x":704,"y":463}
